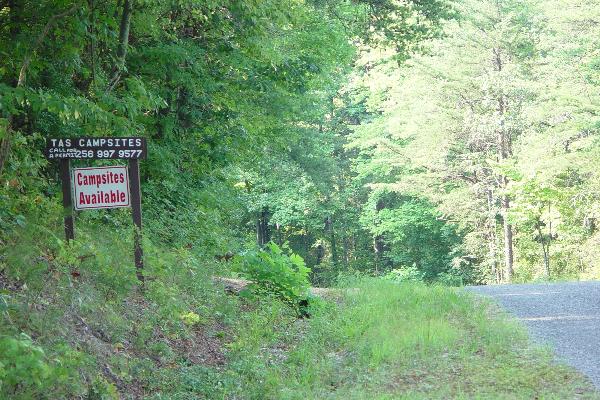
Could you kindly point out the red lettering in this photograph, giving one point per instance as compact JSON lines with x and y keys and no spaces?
{"x":122,"y":195}
{"x":79,"y":181}
{"x":81,"y":198}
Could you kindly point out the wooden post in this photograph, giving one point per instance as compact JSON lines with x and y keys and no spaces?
{"x":65,"y":177}
{"x":136,"y":212}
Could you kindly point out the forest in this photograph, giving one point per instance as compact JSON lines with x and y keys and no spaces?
{"x":294,"y":143}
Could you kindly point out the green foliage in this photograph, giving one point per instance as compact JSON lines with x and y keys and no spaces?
{"x":190,"y":318}
{"x":437,"y":341}
{"x":275,"y":272}
{"x":27,"y":372}
{"x":406,"y":274}
{"x":415,"y":232}
{"x":100,"y":389}
{"x":213,"y":86}
{"x":292,"y":122}
{"x":22,"y":363}
{"x":429,"y":130}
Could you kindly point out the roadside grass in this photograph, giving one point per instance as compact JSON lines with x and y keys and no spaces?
{"x":384,"y":341}
{"x":412,"y":341}
{"x":74,"y":324}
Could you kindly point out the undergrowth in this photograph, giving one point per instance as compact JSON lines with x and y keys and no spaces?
{"x":75,"y":323}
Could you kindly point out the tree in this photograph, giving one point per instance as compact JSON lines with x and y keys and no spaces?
{"x":448,"y":125}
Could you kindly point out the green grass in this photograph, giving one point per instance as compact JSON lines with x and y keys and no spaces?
{"x":96,"y":336}
{"x":411,"y":341}
{"x":385,"y":341}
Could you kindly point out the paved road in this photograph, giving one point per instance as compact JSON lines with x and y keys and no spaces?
{"x":564,"y":315}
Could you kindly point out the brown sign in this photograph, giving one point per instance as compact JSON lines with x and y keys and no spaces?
{"x":131,"y":148}
{"x":102,"y":187}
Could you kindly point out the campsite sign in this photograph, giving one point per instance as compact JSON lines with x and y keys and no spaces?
{"x":101,"y":187}
{"x":96,"y":148}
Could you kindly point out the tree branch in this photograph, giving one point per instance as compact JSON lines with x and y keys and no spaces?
{"x":123,"y":43}
{"x":38,"y":42}
{"x":5,"y":143}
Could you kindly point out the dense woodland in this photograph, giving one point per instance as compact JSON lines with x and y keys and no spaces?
{"x":461,"y":148}
{"x":447,"y":141}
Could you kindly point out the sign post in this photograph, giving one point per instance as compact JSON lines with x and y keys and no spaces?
{"x":101,"y":187}
{"x":65,"y":166}
{"x":136,"y":213}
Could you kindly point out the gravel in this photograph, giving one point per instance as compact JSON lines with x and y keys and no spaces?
{"x":565,"y":316}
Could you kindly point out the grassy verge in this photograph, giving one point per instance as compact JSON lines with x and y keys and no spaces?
{"x":410,"y":341}
{"x":74,"y":325}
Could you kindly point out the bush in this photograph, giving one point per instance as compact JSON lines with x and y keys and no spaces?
{"x":275,"y":272}
{"x":26,"y":372}
{"x":452,"y":278}
{"x":21,"y":364}
{"x":405,"y":274}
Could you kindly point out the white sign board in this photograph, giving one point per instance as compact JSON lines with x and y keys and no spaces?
{"x":101,"y":187}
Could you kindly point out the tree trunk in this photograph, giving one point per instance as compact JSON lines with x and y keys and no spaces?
{"x":15,"y":10}
{"x":123,"y":43}
{"x":504,"y":149}
{"x":546,"y":251}
{"x":378,"y":243}
{"x":492,"y":237}
{"x":263,"y":233}
{"x":545,"y":243}
{"x":279,"y":236}
{"x":345,"y":247}
{"x":259,"y":232}
{"x":334,"y":252}
{"x":320,"y":254}
{"x":508,"y":250}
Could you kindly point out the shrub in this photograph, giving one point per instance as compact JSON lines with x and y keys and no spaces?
{"x":27,"y":372}
{"x":275,"y":272}
{"x":452,"y":278}
{"x":101,"y":389}
{"x":190,"y":318}
{"x":405,"y":274}
{"x":21,"y":364}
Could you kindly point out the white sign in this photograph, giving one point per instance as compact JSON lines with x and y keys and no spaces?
{"x":101,"y":187}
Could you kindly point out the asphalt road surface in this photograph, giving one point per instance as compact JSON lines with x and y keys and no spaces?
{"x":565,"y":316}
